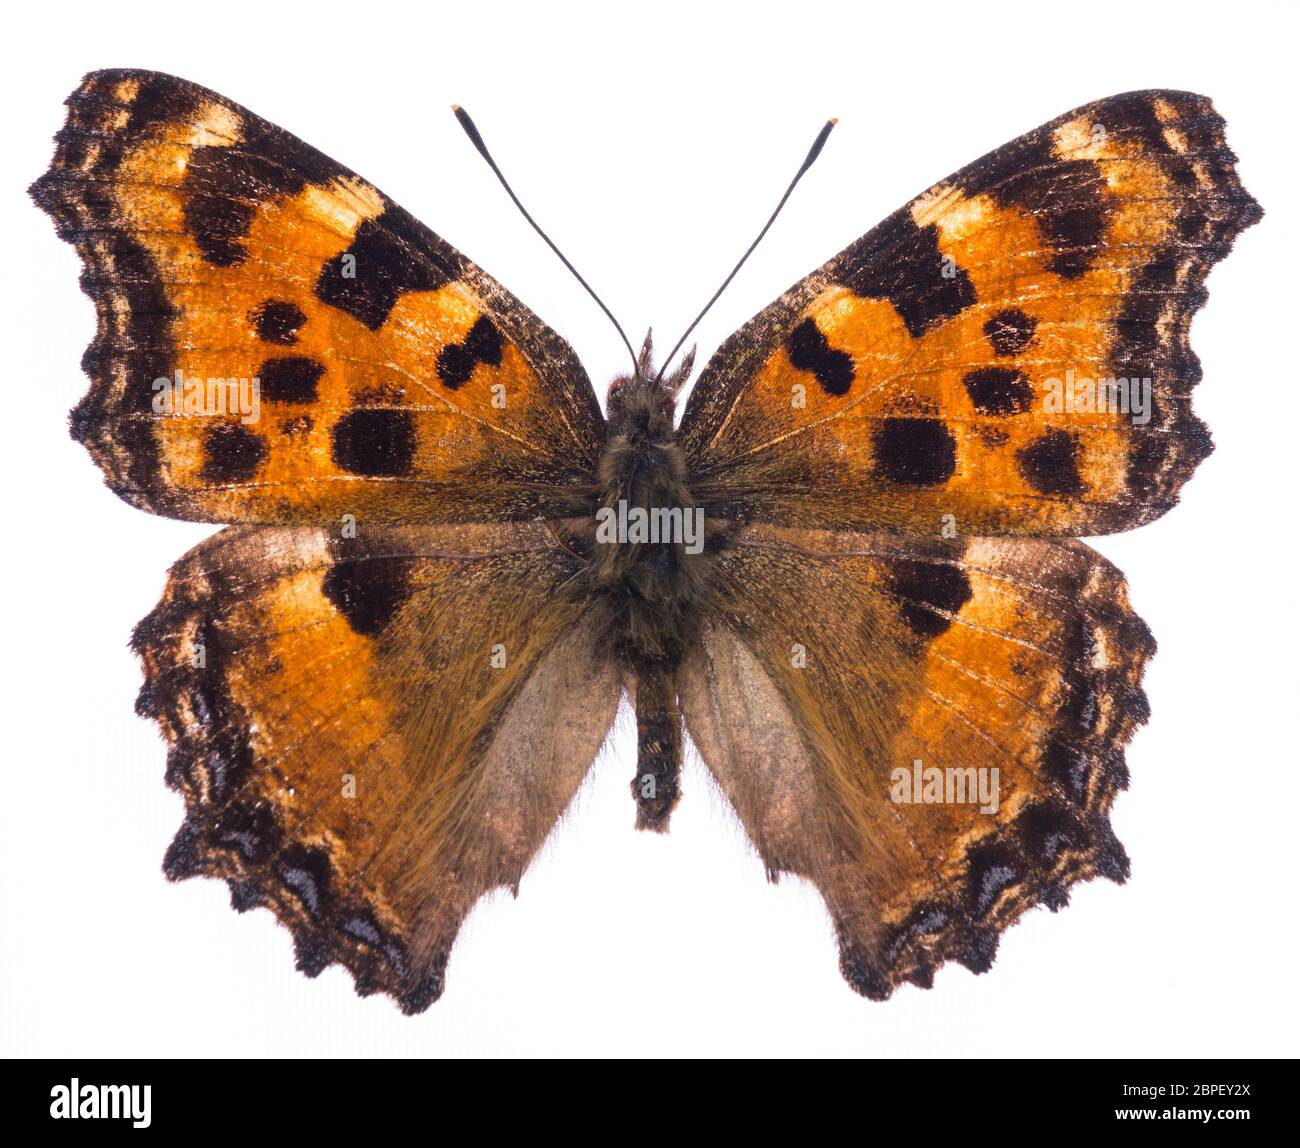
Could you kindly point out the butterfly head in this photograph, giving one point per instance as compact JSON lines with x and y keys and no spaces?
{"x":645,"y":402}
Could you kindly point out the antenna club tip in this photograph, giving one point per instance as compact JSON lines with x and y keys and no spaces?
{"x":833,"y":120}
{"x":455,"y":108}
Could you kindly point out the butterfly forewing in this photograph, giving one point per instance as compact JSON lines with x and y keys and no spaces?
{"x":279,"y":342}
{"x":1008,"y":354}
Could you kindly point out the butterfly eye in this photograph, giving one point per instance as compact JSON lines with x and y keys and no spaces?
{"x":614,"y":397}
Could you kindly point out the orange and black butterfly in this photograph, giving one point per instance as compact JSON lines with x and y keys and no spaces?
{"x":846,"y":572}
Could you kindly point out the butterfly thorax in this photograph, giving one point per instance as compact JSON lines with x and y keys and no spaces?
{"x":648,"y":536}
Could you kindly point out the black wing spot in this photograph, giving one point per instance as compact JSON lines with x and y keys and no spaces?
{"x":998,"y":391}
{"x":456,"y":361}
{"x":277,"y":321}
{"x":902,"y":263}
{"x":367,"y":592}
{"x":1010,"y":331}
{"x":918,"y":452}
{"x":384,"y":261}
{"x":929,"y":592}
{"x":455,"y":365}
{"x":374,"y":442}
{"x":1050,"y":464}
{"x":231,"y":453}
{"x":810,"y":351}
{"x":484,"y":342}
{"x":291,"y":379}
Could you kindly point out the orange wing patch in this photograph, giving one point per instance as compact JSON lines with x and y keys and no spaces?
{"x":1010,"y":349}
{"x":279,"y":342}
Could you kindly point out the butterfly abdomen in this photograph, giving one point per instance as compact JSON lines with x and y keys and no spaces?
{"x":658,"y":745}
{"x":649,"y":532}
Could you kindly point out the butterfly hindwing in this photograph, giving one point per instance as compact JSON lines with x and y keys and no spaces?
{"x":395,"y":380}
{"x":848,"y":675}
{"x":1007,"y":354}
{"x":371,"y":733}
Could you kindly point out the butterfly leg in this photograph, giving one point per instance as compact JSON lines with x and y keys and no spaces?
{"x":659,"y":747}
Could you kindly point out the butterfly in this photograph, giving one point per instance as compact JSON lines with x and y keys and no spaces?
{"x":847,"y":572}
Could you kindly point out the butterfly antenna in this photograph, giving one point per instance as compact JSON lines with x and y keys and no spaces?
{"x":477,"y":140}
{"x":813,"y":153}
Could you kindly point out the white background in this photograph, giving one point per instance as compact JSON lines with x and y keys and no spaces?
{"x":651,"y":142}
